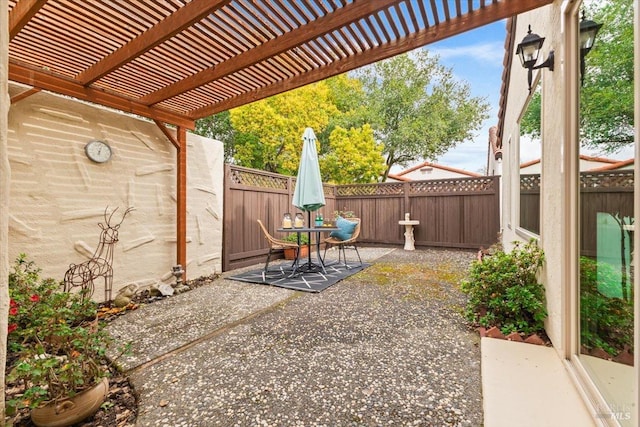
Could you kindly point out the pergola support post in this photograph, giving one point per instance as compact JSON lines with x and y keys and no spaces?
{"x":180,"y":142}
{"x":181,"y":187}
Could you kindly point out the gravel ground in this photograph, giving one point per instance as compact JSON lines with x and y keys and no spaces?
{"x":387,"y":346}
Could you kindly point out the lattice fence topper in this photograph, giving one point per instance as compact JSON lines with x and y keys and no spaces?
{"x":617,"y":179}
{"x":383,"y":189}
{"x":327,"y":189}
{"x":530,"y":182}
{"x":455,"y":185}
{"x":100,"y":265}
{"x":256,"y":179}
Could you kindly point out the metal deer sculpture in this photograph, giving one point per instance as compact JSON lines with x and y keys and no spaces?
{"x":100,"y":265}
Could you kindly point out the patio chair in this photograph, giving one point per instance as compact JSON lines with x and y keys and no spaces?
{"x":342,"y":244}
{"x":276,"y":245}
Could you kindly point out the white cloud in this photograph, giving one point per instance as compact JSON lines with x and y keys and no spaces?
{"x":487,"y":52}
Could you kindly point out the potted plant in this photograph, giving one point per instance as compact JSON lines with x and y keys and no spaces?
{"x":290,"y":253}
{"x":56,"y":350}
{"x":343,"y":213}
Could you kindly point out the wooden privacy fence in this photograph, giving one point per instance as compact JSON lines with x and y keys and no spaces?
{"x":600,"y":192}
{"x":250,"y":195}
{"x":530,"y":202}
{"x":454,"y":213}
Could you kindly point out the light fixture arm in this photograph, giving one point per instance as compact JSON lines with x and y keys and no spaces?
{"x":548,"y":63}
{"x":528,"y":51}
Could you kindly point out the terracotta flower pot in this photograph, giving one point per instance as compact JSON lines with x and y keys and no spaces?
{"x":290,"y":253}
{"x":71,"y":410}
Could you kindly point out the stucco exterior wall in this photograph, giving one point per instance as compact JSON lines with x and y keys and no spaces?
{"x":545,"y":22}
{"x":5,"y":177}
{"x":59,"y":196}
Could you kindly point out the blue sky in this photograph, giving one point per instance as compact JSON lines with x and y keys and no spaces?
{"x":475,"y":57}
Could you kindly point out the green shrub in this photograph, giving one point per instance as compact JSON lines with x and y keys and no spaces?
{"x":504,"y":291}
{"x":605,"y":322}
{"x":56,"y":347}
{"x":343,"y":213}
{"x":293,"y":237}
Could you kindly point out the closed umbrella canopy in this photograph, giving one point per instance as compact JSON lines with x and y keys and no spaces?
{"x":308,"y":194}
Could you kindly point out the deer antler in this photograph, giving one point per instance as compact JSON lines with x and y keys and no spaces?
{"x":110,"y":216}
{"x":129,"y":209}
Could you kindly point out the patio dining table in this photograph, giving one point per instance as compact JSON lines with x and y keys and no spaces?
{"x":309,"y":266}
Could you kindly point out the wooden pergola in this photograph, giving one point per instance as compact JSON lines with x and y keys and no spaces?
{"x":175,"y":61}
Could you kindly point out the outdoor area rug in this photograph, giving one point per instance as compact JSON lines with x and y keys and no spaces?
{"x":307,"y":282}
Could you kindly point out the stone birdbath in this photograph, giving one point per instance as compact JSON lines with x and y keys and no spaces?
{"x":408,"y":232}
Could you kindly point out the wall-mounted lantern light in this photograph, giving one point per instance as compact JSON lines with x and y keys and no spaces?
{"x":588,"y":32}
{"x":528,"y":51}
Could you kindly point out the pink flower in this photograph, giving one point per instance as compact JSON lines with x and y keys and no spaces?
{"x":34,"y":298}
{"x":12,"y":327}
{"x":13,"y":311}
{"x":12,"y":303}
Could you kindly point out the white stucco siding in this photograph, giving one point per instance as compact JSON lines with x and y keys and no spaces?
{"x":204,"y":204}
{"x":58,"y":195}
{"x":552,"y":187}
{"x":546,"y":23}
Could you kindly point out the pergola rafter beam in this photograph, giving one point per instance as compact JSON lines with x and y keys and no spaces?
{"x":23,"y":95}
{"x":273,"y":47}
{"x":42,"y":80}
{"x":183,"y":18}
{"x":478,"y":18}
{"x":22,"y":14}
{"x":155,"y":58}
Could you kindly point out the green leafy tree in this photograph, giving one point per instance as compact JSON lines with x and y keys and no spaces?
{"x":219,"y":127}
{"x":417,"y":108}
{"x":353,"y":156}
{"x":269,"y":132}
{"x":348,"y":95}
{"x":530,"y":123}
{"x":606,"y":117}
{"x":606,"y":98}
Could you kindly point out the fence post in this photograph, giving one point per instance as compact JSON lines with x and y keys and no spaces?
{"x":406,"y":188}
{"x":226,"y":216}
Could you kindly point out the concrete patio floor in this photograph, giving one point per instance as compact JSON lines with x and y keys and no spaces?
{"x":526,"y":385}
{"x":199,"y":359}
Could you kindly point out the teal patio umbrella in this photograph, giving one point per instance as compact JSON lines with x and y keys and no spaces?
{"x":308,"y":194}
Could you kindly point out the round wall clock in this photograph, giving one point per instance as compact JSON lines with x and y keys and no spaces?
{"x":98,"y":151}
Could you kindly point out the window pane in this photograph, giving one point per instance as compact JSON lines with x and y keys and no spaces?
{"x":530,"y":165}
{"x":606,"y":207}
